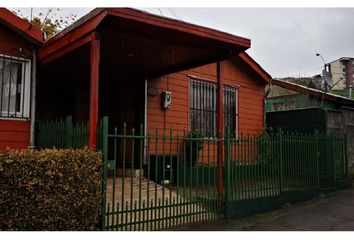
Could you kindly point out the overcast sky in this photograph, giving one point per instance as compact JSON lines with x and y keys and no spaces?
{"x":284,"y":41}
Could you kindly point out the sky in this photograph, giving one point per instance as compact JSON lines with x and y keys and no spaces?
{"x":284,"y":41}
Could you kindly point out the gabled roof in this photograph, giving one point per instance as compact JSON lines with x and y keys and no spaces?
{"x":311,"y":91}
{"x":21,"y":26}
{"x":91,"y":21}
{"x":256,"y":67}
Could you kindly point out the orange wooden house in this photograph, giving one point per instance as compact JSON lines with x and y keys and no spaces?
{"x":117,"y":62}
{"x":19,"y":42}
{"x":120,"y":62}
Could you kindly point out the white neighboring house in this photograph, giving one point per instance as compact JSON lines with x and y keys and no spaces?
{"x":342,"y":71}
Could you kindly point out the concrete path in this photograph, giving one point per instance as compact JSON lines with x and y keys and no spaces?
{"x":324,"y":213}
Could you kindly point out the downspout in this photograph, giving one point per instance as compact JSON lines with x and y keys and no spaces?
{"x":33,"y":99}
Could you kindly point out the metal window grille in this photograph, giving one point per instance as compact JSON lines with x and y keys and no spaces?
{"x":203,"y":107}
{"x":230,"y":110}
{"x":14,"y":73}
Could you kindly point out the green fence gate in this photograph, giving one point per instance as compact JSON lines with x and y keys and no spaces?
{"x":151,"y":183}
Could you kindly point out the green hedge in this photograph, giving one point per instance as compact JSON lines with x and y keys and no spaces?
{"x":50,"y":189}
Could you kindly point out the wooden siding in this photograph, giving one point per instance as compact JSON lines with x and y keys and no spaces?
{"x":11,"y":43}
{"x":14,"y":134}
{"x":250,"y":98}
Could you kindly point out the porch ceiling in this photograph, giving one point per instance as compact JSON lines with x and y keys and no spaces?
{"x":154,"y":53}
{"x":132,"y":39}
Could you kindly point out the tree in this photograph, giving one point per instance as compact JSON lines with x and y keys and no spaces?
{"x":50,"y":21}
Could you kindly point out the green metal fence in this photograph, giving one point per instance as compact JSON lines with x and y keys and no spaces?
{"x":263,"y":172}
{"x":150,"y":185}
{"x":61,"y":133}
{"x":162,"y":180}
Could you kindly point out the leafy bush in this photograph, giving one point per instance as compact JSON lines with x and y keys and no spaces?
{"x":50,"y":189}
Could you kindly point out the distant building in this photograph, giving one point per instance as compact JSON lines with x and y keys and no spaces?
{"x":342,"y":72}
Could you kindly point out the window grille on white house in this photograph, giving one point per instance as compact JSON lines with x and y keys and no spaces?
{"x":14,"y":87}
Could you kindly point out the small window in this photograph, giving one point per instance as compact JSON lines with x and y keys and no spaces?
{"x":230,"y":110}
{"x":203,"y":97}
{"x":203,"y":107}
{"x":14,"y":87}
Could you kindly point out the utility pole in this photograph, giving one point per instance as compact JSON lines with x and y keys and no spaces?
{"x":325,"y":66}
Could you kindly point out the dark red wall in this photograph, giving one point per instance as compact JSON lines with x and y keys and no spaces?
{"x":11,"y":42}
{"x":14,"y":133}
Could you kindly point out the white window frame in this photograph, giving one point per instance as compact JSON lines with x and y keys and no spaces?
{"x":24,"y":112}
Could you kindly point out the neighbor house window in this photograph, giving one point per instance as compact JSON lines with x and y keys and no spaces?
{"x":14,"y":87}
{"x":203,"y":95}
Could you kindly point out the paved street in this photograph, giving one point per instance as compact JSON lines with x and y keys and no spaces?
{"x":324,"y":213}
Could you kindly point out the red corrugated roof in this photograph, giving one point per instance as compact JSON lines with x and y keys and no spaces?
{"x":313,"y":92}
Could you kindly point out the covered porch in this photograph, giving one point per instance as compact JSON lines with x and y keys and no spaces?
{"x":100,"y":65}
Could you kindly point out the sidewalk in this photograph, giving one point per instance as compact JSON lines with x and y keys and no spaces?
{"x":319,"y":214}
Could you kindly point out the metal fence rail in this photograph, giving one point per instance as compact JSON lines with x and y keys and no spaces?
{"x":157,"y":186}
{"x":62,"y":133}
{"x":161,"y":180}
{"x":268,"y":165}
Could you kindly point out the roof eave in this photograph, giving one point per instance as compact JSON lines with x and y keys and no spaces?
{"x":256,"y":67}
{"x":21,"y":26}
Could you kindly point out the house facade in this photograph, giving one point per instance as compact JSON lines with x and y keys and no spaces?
{"x":19,"y":42}
{"x":119,"y":62}
{"x":193,"y":105}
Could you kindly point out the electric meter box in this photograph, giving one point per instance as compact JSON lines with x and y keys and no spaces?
{"x":166,"y":97}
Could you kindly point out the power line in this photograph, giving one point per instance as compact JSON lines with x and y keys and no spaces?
{"x":160,"y":11}
{"x":174,"y":13}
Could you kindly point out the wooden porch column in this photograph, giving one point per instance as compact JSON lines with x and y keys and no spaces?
{"x":220,"y":128}
{"x":94,"y":89}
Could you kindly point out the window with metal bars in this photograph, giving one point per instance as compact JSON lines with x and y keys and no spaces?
{"x":14,"y":87}
{"x":203,"y":107}
{"x":203,"y":95}
{"x":230,"y":110}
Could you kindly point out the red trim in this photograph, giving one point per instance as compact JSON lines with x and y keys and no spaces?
{"x":189,"y":104}
{"x":90,"y":22}
{"x":65,"y":38}
{"x":94,"y":90}
{"x":22,"y":26}
{"x":255,"y":66}
{"x":220,"y":128}
{"x":232,"y":85}
{"x":152,"y":19}
{"x":66,"y":49}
